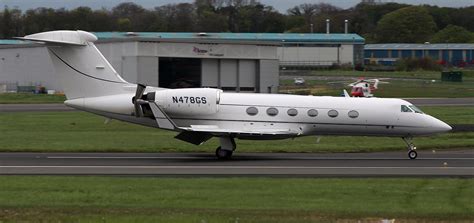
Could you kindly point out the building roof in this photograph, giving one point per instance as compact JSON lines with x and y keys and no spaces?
{"x":11,"y":42}
{"x":260,"y":37}
{"x":269,"y":38}
{"x":426,"y":46}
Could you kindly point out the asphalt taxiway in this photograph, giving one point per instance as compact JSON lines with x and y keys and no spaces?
{"x":34,"y":108}
{"x":385,"y":164}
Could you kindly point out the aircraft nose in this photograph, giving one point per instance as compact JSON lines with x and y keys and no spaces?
{"x":440,"y":126}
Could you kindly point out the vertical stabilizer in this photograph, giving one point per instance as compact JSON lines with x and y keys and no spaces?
{"x":80,"y":67}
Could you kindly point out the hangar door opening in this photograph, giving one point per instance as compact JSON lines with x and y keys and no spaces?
{"x":179,"y":72}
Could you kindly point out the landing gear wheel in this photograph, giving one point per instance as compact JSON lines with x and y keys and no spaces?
{"x":223,"y":154}
{"x":412,"y":154}
{"x":411,"y":147}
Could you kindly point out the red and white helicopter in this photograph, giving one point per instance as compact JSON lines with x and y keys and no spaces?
{"x":363,"y":87}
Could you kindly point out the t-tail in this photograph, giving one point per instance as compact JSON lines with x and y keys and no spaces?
{"x":82,"y":70}
{"x":87,"y":78}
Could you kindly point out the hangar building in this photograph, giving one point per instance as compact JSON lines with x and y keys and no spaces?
{"x":242,"y":62}
{"x":456,"y":54}
{"x":320,"y":50}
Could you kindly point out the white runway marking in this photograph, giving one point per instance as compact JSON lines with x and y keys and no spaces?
{"x":122,"y":157}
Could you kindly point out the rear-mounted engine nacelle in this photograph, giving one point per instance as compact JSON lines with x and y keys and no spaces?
{"x":189,"y":101}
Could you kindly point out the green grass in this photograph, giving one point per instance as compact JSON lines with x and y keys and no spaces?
{"x":397,"y":88}
{"x":80,"y":132}
{"x":468,"y":75}
{"x":111,"y":199}
{"x":452,"y":114}
{"x":28,"y":98}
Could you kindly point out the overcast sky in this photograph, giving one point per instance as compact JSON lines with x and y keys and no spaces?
{"x":281,"y":5}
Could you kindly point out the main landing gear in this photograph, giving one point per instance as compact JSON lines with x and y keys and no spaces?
{"x":411,"y":147}
{"x":224,"y":152}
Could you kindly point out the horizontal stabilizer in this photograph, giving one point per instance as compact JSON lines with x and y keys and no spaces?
{"x":64,"y":37}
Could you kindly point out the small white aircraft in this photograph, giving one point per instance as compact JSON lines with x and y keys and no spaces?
{"x":198,"y":114}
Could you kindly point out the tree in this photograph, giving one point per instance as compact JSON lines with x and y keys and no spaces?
{"x":136,"y":15}
{"x":463,"y":17}
{"x":208,"y":19}
{"x":453,"y":34}
{"x":315,"y":14}
{"x":390,"y":22}
{"x":363,"y":18}
{"x":407,"y":25}
{"x":441,"y":15}
{"x":273,"y":21}
{"x":178,"y":17}
{"x":11,"y":23}
{"x":82,"y":17}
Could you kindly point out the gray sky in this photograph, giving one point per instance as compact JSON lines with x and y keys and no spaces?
{"x":281,"y":5}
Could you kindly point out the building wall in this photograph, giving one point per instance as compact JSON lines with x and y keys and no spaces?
{"x":248,"y":75}
{"x":268,"y":82}
{"x":308,"y":54}
{"x":210,"y":73}
{"x":228,"y":74}
{"x":346,"y":54}
{"x":232,"y":67}
{"x":457,"y":57}
{"x":147,"y":71}
{"x":116,"y":52}
{"x":323,"y":55}
{"x":27,"y":66}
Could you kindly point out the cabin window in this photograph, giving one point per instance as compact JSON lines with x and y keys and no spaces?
{"x":416,"y":109}
{"x":272,"y":111}
{"x":405,"y":108}
{"x":353,"y":114}
{"x":312,"y":113}
{"x":252,"y":111}
{"x":333,"y":113}
{"x":292,"y":112}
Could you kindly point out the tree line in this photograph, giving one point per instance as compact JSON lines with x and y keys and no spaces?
{"x":382,"y":23}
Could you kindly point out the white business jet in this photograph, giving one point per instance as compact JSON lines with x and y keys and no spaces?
{"x":198,"y":114}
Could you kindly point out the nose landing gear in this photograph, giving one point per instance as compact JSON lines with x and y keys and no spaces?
{"x":412,"y":154}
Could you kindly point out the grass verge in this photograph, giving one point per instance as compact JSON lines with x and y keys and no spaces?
{"x":395,"y":89}
{"x":83,"y":132}
{"x":468,"y":75}
{"x":29,"y":98}
{"x":112,"y":199}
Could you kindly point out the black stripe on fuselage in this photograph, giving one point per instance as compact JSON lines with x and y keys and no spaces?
{"x":87,"y":75}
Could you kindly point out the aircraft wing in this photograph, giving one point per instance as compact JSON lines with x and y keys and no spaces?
{"x":197,"y":134}
{"x":213,"y":129}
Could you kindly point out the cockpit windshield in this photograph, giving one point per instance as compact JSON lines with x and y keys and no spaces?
{"x":405,"y":108}
{"x":411,"y":108}
{"x":416,"y":109}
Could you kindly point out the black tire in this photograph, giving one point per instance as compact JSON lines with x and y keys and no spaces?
{"x":223,"y":154}
{"x":412,"y":154}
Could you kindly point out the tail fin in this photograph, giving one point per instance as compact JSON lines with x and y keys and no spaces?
{"x":80,"y":67}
